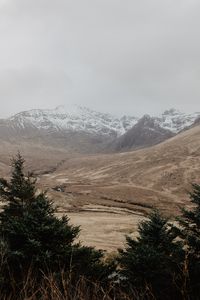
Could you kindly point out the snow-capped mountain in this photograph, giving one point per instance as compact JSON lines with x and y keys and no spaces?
{"x":74,"y":118}
{"x":175,"y":120}
{"x":84,"y":130}
{"x":81,"y":119}
{"x":150,"y":131}
{"x":147,"y":132}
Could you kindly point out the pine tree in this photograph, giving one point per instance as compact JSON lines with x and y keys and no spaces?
{"x":152,"y":259}
{"x":35,"y":236}
{"x":190,"y":223}
{"x":189,"y":231}
{"x":20,"y":190}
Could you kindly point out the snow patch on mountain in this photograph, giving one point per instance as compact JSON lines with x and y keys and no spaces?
{"x":175,"y":120}
{"x":74,"y":118}
{"x":82,"y":119}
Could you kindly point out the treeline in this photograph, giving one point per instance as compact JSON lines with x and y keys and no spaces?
{"x":41,"y":259}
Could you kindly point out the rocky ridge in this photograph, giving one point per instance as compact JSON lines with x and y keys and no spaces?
{"x":81,"y":129}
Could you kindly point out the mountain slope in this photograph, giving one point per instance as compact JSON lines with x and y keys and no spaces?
{"x":145,"y":133}
{"x":75,"y":119}
{"x":82,"y":119}
{"x":109,"y":194}
{"x":79,"y":129}
{"x":176,"y":121}
{"x":158,"y":176}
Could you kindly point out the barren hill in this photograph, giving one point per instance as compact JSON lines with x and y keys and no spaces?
{"x":81,"y":130}
{"x":157,"y":175}
{"x":145,"y":133}
{"x":108,"y":194}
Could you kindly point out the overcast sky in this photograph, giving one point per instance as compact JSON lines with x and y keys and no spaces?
{"x":118,"y":56}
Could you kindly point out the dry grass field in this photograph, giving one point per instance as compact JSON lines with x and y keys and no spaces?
{"x":108,"y":194}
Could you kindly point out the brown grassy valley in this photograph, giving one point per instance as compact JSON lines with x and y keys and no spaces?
{"x":108,"y":194}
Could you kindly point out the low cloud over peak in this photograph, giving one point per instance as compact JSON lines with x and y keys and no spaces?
{"x":114,"y":56}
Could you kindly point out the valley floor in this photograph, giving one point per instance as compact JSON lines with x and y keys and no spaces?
{"x":109,"y":194}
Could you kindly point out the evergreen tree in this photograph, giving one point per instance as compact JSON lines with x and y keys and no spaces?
{"x":35,"y":236}
{"x":152,"y":259}
{"x":189,"y":231}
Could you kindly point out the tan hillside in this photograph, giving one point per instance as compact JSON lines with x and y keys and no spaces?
{"x":156,"y":176}
{"x":93,"y":189}
{"x":108,"y":194}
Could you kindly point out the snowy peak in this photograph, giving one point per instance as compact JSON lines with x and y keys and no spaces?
{"x":82,"y":119}
{"x":74,"y":118}
{"x":147,"y":132}
{"x":83,"y":130}
{"x":176,"y":121}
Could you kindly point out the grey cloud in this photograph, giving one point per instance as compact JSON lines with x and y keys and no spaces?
{"x":118,"y":56}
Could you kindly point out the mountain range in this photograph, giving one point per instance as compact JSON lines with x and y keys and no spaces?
{"x":106,"y":193}
{"x":80,"y":129}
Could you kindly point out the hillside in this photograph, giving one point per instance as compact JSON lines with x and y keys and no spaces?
{"x":103,"y":188}
{"x":146,"y":132}
{"x":79,"y":129}
{"x":97,"y":191}
{"x":164,"y":170}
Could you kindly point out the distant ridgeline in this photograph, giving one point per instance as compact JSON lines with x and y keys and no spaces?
{"x":83,"y":130}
